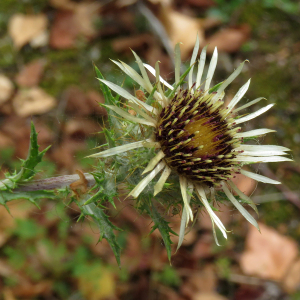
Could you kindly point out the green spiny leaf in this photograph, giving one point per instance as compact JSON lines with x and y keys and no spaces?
{"x":164,"y":229}
{"x":31,"y":196}
{"x":105,"y":226}
{"x":27,"y":169}
{"x":34,"y":156}
{"x":109,"y":99}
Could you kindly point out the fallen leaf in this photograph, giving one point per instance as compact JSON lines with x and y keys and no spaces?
{"x":30,"y":75}
{"x":85,"y":15}
{"x":83,"y":104}
{"x":6,"y":88}
{"x":291,"y":281}
{"x":208,"y":296}
{"x":64,"y":30}
{"x":268,"y":254}
{"x":25,"y":28}
{"x":136,"y":42}
{"x":182,"y":29}
{"x":33,"y":101}
{"x":73,"y":21}
{"x":229,"y":39}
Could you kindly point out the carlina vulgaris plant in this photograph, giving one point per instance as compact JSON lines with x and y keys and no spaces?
{"x":195,"y":137}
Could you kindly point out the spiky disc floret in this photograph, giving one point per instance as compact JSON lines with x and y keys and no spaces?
{"x":197,"y":140}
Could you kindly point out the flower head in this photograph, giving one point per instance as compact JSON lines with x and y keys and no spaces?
{"x":195,"y":135}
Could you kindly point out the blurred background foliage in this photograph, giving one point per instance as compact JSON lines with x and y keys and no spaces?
{"x":46,"y":75}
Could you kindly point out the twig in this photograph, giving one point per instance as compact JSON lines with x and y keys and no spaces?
{"x":288,"y":194}
{"x":54,"y":183}
{"x":158,"y":28}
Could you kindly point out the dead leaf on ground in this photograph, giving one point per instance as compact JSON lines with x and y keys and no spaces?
{"x":291,"y":281}
{"x":85,"y":15}
{"x":6,"y":88}
{"x":69,"y":24}
{"x":31,"y":74}
{"x":182,"y":29}
{"x":268,"y":254}
{"x":229,"y":39}
{"x":26,"y":28}
{"x":208,"y":296}
{"x":136,"y":42}
{"x":64,"y":30}
{"x":33,"y":101}
{"x":80,"y":103}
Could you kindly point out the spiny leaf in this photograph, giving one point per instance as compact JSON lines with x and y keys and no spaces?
{"x":34,"y":156}
{"x":105,"y":226}
{"x":109,"y":137}
{"x":109,"y":99}
{"x":27,"y":168}
{"x":31,"y":196}
{"x":164,"y":229}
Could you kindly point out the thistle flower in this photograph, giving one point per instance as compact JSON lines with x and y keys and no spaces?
{"x":195,"y":135}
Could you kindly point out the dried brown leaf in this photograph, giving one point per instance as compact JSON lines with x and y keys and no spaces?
{"x":208,"y":296}
{"x":26,"y":28}
{"x":33,"y":101}
{"x":30,"y":75}
{"x":64,"y":30}
{"x":6,"y":88}
{"x":268,"y":254}
{"x":291,"y":281}
{"x":181,"y":29}
{"x":229,"y":39}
